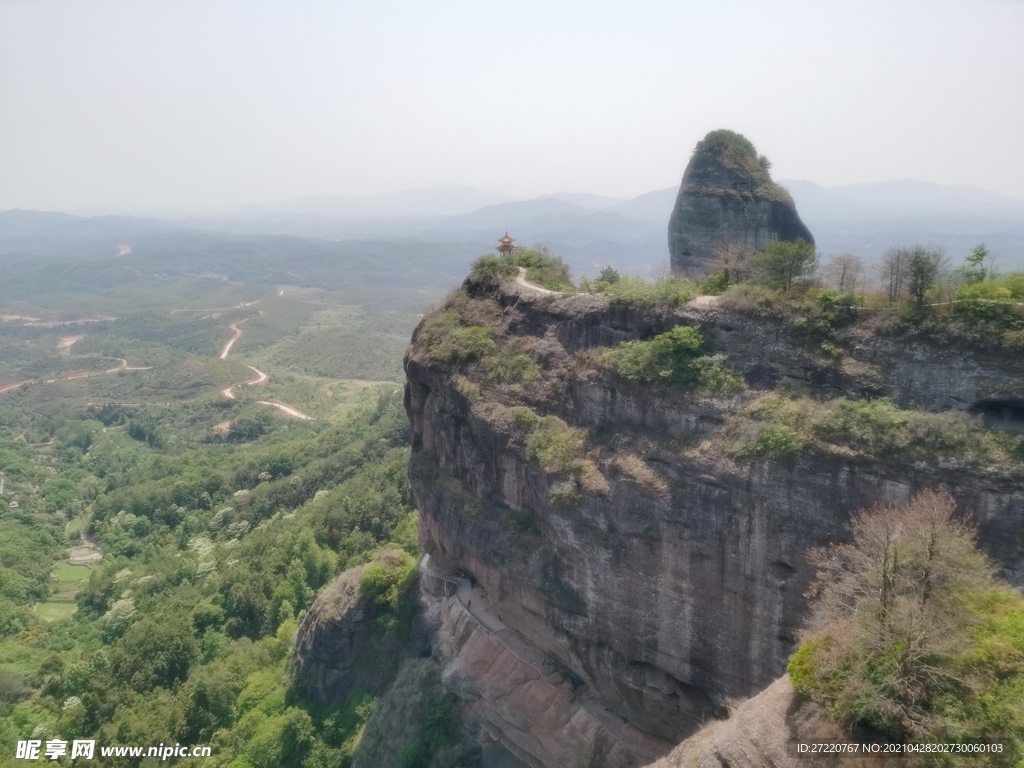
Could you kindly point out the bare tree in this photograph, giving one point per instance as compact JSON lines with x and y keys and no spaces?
{"x":896,"y":592}
{"x":731,"y":259}
{"x":892,"y":272}
{"x":843,"y":272}
{"x":662,"y":271}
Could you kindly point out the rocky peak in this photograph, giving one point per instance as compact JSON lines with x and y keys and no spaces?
{"x":727,"y":199}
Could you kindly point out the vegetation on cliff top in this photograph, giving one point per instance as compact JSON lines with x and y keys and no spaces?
{"x":774,"y":426}
{"x":542,"y":267}
{"x":918,"y":292}
{"x":911,"y":634}
{"x":674,"y":357}
{"x":549,"y":271}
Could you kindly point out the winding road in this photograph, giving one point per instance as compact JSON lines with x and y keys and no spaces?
{"x":261,"y":377}
{"x":231,"y":342}
{"x":64,"y":347}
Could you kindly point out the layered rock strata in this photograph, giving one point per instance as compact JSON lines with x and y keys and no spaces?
{"x":672,"y":580}
{"x":728,"y":202}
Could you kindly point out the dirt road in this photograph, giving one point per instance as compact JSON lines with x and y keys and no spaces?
{"x":260,"y":378}
{"x":231,"y":342}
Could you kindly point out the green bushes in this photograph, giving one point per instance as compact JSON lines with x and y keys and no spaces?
{"x":913,"y":637}
{"x":629,"y":289}
{"x":559,"y":449}
{"x":555,"y":445}
{"x":673,"y":357}
{"x":507,"y":366}
{"x":782,"y":263}
{"x":774,"y":426}
{"x":542,"y":267}
{"x":387,"y":579}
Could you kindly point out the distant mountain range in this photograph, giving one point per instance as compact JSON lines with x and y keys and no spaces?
{"x":589,"y":230}
{"x":903,"y":198}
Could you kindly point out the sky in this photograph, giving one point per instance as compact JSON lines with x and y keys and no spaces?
{"x":203,"y":106}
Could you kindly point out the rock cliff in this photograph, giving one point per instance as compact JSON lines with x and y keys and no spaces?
{"x":604,"y":575}
{"x":728,"y":200}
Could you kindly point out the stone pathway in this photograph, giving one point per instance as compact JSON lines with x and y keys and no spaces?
{"x":521,"y":280}
{"x":705,"y":302}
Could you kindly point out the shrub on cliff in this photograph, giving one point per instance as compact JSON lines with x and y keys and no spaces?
{"x":386,"y":579}
{"x":673,"y":357}
{"x":782,"y":263}
{"x":507,"y":366}
{"x":774,"y":426}
{"x":635,"y":290}
{"x":912,"y":635}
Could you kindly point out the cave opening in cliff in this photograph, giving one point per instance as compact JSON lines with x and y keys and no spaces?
{"x":1001,"y":414}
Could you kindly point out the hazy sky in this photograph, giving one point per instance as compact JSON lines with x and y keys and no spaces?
{"x":138,"y":105}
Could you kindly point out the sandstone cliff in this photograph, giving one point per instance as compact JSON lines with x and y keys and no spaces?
{"x":727,"y":199}
{"x":647,"y":576}
{"x":340,"y":635}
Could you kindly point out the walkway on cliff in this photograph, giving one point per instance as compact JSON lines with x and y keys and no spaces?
{"x":521,"y":280}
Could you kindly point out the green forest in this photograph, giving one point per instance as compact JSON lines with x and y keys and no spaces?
{"x":161,"y":540}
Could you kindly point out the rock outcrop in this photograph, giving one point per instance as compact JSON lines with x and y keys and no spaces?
{"x":340,"y":632}
{"x":727,"y":200}
{"x":661,"y":576}
{"x":764,"y":732}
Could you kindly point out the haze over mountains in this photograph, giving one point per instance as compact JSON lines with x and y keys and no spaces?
{"x":589,"y":230}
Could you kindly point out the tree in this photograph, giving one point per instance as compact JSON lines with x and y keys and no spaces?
{"x":923,"y":267}
{"x":608,"y":275}
{"x":844,"y":271}
{"x":897,"y":613}
{"x":974,"y":269}
{"x":784,"y":262}
{"x":154,"y":652}
{"x":732,"y":260}
{"x":892,"y":272}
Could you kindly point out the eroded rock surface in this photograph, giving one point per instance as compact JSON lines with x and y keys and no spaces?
{"x":727,"y":199}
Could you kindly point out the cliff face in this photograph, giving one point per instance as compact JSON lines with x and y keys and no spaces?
{"x":657,"y":577}
{"x":728,"y":200}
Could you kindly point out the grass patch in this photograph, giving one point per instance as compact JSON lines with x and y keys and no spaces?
{"x":68,"y":572}
{"x":560,"y":450}
{"x":465,"y":387}
{"x":639,"y":470}
{"x":506,"y":366}
{"x":74,"y":526}
{"x":634,"y":290}
{"x":55,"y":611}
{"x":774,"y":426}
{"x":459,"y":330}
